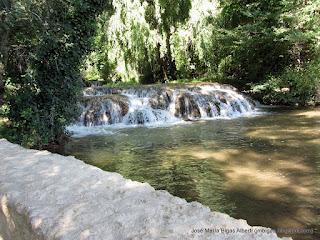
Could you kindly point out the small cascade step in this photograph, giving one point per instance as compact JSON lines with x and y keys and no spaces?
{"x":161,"y":104}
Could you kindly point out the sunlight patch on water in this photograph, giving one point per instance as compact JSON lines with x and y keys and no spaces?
{"x":263,"y":167}
{"x":309,"y":114}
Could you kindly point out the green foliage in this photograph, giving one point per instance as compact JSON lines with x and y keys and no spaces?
{"x":272,"y":45}
{"x":173,"y":12}
{"x":295,"y":86}
{"x":97,"y":64}
{"x":124,"y":45}
{"x":4,"y":129}
{"x":138,"y":41}
{"x":298,"y":83}
{"x":47,"y":45}
{"x":256,"y":38}
{"x":244,"y":42}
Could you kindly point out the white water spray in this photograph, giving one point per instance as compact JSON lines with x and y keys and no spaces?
{"x":159,"y":105}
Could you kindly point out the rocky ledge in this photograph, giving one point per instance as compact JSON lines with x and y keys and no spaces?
{"x":48,"y":196}
{"x":154,"y":104}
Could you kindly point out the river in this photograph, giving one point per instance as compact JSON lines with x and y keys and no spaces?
{"x":265,"y":168}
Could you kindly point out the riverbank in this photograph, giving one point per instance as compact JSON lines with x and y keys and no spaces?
{"x":48,"y":196}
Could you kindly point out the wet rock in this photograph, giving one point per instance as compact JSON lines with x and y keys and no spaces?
{"x":208,"y":110}
{"x":208,"y":104}
{"x":218,"y":107}
{"x":235,"y":106}
{"x":252,"y":103}
{"x":137,"y":117}
{"x":212,"y":109}
{"x":108,"y":109}
{"x":151,"y":103}
{"x":205,"y":102}
{"x":186,"y":107}
{"x":161,"y":100}
{"x":221,"y":96}
{"x":94,"y":115}
{"x":99,"y":91}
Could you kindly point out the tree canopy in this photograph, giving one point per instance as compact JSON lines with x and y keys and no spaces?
{"x":46,"y":42}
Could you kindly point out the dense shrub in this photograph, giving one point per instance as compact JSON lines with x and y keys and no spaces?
{"x":48,"y":40}
{"x":297,"y":86}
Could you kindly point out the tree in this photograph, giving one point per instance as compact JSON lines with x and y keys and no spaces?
{"x":43,"y":66}
{"x":301,"y":75}
{"x":259,"y":38}
{"x":5,"y":12}
{"x":172,"y":13}
{"x":252,"y":48}
{"x":131,"y":45}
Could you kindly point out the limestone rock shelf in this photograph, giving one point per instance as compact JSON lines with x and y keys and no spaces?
{"x":48,"y":196}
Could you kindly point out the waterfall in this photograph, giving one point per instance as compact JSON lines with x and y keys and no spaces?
{"x":161,"y":104}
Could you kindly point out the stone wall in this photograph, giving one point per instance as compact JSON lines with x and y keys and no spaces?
{"x":48,"y":196}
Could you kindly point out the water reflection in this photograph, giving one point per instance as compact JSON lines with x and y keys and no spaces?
{"x":264,"y":169}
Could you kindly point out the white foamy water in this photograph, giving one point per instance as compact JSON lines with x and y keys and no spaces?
{"x":105,"y":109}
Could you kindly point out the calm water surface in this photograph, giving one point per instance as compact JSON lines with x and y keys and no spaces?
{"x":264,"y":169}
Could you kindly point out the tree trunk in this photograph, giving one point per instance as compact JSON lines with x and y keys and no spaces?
{"x":1,"y":84}
{"x":161,"y":63}
{"x":171,"y":64}
{"x":3,"y":60}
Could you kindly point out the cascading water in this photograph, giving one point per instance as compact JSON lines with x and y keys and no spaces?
{"x":158,"y":105}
